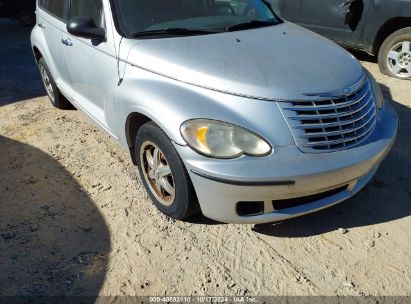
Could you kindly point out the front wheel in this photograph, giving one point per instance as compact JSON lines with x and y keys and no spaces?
{"x":394,"y":58}
{"x":56,"y":98}
{"x":163,"y":173}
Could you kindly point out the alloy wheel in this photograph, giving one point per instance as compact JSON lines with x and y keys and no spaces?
{"x":47,"y":83}
{"x":157,"y":173}
{"x":399,"y":59}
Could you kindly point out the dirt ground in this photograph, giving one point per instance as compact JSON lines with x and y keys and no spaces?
{"x":75,"y":219}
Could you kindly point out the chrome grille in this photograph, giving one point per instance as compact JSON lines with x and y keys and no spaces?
{"x":333,"y":123}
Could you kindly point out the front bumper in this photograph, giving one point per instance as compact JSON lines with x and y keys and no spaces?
{"x":286,"y":174}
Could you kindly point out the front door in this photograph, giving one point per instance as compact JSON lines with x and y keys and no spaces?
{"x":92,"y":65}
{"x":51,"y":19}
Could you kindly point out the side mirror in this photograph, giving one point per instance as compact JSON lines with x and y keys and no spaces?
{"x":85,"y":27}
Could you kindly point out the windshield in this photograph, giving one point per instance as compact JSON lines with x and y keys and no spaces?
{"x":156,"y":17}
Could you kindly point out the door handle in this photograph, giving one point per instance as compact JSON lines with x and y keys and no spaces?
{"x":67,"y":42}
{"x":41,"y":24}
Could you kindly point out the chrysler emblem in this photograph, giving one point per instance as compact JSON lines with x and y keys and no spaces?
{"x":346,"y":91}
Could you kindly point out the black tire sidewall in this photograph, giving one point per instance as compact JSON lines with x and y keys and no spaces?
{"x":185,"y":203}
{"x":60,"y":102}
{"x":42,"y":63}
{"x":396,"y":37}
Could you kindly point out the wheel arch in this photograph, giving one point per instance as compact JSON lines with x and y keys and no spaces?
{"x":37,"y":54}
{"x":133,"y":124}
{"x":387,"y":29}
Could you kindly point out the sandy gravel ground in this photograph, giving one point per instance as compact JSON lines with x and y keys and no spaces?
{"x":75,"y":219}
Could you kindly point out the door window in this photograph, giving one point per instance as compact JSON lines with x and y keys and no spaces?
{"x":88,"y":8}
{"x":54,"y":7}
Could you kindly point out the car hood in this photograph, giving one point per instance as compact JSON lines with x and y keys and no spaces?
{"x":271,"y":63}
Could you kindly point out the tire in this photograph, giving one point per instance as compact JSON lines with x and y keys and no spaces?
{"x":57,"y":99}
{"x":394,"y":57}
{"x":26,"y":18}
{"x":183,"y":204}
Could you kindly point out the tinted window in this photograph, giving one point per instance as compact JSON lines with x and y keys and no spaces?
{"x":54,"y":7}
{"x":88,"y":8}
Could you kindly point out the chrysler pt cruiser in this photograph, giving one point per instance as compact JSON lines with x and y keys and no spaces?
{"x":224,"y":107}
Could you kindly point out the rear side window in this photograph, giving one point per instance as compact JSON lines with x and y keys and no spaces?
{"x":88,"y":8}
{"x":55,"y":7}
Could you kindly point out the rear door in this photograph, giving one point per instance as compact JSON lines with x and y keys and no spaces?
{"x":51,"y":19}
{"x":340,"y":20}
{"x":92,"y":65}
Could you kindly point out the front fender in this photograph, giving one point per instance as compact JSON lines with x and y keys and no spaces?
{"x":37,"y":40}
{"x":169,"y":103}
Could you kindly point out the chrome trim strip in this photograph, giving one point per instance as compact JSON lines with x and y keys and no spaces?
{"x":338,"y":123}
{"x":334,"y":115}
{"x":341,"y":141}
{"x":336,"y":133}
{"x":333,"y":124}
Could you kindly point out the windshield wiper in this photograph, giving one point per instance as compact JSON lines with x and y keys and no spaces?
{"x":173,"y":31}
{"x":249,"y":25}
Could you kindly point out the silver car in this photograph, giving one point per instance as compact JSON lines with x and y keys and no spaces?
{"x":224,"y":107}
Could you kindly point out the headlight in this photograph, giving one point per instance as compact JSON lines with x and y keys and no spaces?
{"x":376,"y":89}
{"x":222,"y":140}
